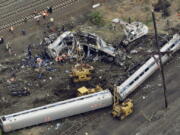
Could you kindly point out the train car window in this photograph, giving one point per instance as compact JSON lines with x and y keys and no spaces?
{"x":136,"y":78}
{"x":131,"y":83}
{"x":146,"y":69}
{"x":172,"y":46}
{"x":3,"y":118}
{"x":141,"y":74}
{"x":123,"y":89}
{"x":151,"y":64}
{"x":60,"y":43}
{"x":176,"y":42}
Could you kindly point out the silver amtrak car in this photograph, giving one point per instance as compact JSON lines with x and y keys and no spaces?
{"x":56,"y":111}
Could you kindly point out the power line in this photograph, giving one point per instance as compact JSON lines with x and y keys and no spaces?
{"x":160,"y":60}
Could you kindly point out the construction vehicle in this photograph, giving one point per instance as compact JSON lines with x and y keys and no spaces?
{"x":81,"y":72}
{"x":133,"y":31}
{"x":85,"y":91}
{"x":121,"y":110}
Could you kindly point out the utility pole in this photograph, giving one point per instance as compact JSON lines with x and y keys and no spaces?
{"x":160,"y":60}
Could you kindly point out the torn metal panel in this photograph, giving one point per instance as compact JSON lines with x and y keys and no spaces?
{"x":83,"y":44}
{"x":69,"y":39}
{"x":60,"y":43}
{"x":95,"y":42}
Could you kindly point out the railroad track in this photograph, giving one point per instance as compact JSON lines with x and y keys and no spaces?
{"x":82,"y":122}
{"x":21,"y":8}
{"x":17,"y":17}
{"x":6,"y":3}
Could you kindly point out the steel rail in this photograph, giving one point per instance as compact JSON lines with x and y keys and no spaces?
{"x":56,"y":5}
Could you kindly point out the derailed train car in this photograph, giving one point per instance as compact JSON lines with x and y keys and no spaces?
{"x":145,"y":71}
{"x":56,"y":111}
{"x":89,"y":41}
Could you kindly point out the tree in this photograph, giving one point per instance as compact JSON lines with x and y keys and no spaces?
{"x":96,"y":18}
{"x":163,"y":6}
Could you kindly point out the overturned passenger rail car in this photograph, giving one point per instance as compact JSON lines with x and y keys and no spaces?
{"x":145,"y":71}
{"x":56,"y":111}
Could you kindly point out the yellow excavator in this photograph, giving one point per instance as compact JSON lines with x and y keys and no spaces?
{"x":81,"y":72}
{"x":121,"y":110}
{"x":85,"y":91}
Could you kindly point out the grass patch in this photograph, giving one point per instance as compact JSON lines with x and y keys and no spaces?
{"x":96,"y":18}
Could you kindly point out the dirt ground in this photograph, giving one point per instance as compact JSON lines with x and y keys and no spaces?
{"x":149,"y":117}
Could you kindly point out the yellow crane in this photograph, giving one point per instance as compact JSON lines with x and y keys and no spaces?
{"x":85,"y":91}
{"x":81,"y":72}
{"x":121,"y":110}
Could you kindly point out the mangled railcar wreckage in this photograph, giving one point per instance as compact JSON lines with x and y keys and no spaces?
{"x":62,"y":42}
{"x":93,"y":43}
{"x":68,"y":42}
